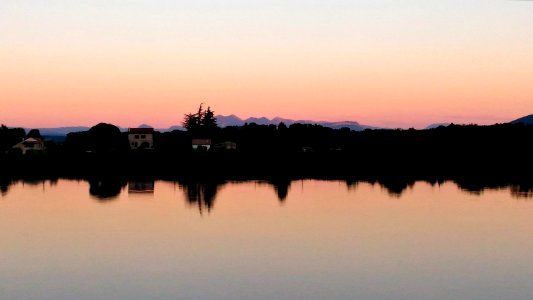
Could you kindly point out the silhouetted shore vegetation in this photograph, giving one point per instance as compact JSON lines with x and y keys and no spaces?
{"x":478,"y":155}
{"x":474,"y":157}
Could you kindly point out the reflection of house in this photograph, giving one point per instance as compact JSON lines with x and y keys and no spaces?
{"x":201,"y":143}
{"x":30,"y":144}
{"x":135,"y":187}
{"x":227,"y":145}
{"x":141,"y":138}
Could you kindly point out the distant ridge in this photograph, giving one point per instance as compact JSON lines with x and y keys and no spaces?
{"x":525,"y":120}
{"x":437,"y":125}
{"x":60,"y":131}
{"x":233,"y":120}
{"x":223,"y":121}
{"x":63,"y":131}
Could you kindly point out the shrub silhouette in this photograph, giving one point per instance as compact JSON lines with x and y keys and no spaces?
{"x":101,"y":138}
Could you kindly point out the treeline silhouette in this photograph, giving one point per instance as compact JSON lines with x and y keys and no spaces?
{"x":10,"y":137}
{"x":501,"y":152}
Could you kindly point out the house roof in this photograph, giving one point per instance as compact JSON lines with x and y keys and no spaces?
{"x":29,"y":141}
{"x":141,"y":131}
{"x":201,"y":142}
{"x":32,"y":141}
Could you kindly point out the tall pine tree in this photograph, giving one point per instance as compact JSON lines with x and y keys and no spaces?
{"x":203,"y":120}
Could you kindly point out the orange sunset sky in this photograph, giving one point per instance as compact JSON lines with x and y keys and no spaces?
{"x":394,"y":63}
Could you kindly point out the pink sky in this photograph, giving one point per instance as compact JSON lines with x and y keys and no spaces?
{"x":403,"y":65}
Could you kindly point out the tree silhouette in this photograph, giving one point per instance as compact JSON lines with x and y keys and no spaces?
{"x":191,"y":122}
{"x":209,"y":121}
{"x":34,"y":133}
{"x":202,"y":120}
{"x":10,"y":137}
{"x":99,"y":138}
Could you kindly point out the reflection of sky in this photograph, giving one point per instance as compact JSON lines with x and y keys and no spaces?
{"x":386,"y":62}
{"x":324,"y":241}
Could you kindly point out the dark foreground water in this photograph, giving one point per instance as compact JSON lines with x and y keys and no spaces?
{"x":308,"y":240}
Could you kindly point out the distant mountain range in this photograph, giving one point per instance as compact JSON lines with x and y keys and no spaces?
{"x":437,"y":125}
{"x":222,"y":121}
{"x":60,"y":131}
{"x":63,"y":131}
{"x":233,"y":120}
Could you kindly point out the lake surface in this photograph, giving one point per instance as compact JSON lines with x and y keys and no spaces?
{"x":252,"y":240}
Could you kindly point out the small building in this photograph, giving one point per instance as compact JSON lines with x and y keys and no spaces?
{"x":227,"y":145}
{"x":201,"y":144}
{"x":141,"y":138}
{"x":30,"y":145}
{"x":307,"y":149}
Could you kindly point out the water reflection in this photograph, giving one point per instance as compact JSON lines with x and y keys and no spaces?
{"x":522,"y":191}
{"x":396,"y":187}
{"x":282,"y":188}
{"x":336,"y":239}
{"x":105,"y":189}
{"x":4,"y":185}
{"x":141,"y":187}
{"x":203,"y":193}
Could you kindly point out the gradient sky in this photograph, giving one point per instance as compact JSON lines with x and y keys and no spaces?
{"x":396,"y":63}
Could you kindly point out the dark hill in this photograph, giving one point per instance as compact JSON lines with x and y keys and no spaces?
{"x":524,"y":120}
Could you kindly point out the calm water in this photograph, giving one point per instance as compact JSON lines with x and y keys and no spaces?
{"x":308,"y":240}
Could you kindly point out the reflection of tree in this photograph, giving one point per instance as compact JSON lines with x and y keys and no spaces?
{"x":104,"y":189}
{"x":4,"y":185}
{"x":282,"y":188}
{"x":33,"y":181}
{"x":475,"y":185}
{"x":522,"y":191}
{"x":522,"y":188}
{"x":202,"y":194}
{"x":396,"y":186}
{"x":352,"y":184}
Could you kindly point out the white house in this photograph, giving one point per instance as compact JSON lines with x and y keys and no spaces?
{"x":141,"y":138}
{"x":199,"y":143}
{"x":30,"y":144}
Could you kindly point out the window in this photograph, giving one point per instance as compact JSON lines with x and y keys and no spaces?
{"x":136,"y":136}
{"x":143,"y":136}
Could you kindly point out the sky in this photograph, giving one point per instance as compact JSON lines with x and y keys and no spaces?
{"x":393,"y":63}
